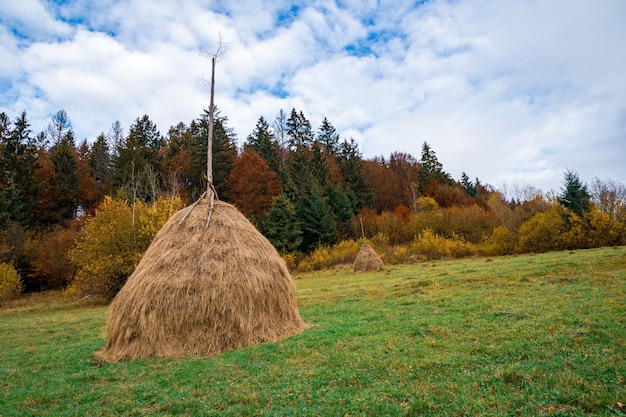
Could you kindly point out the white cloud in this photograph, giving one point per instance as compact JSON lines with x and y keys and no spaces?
{"x":32,"y":18}
{"x":509,"y":92}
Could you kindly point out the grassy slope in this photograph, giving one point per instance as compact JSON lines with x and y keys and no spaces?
{"x":526,"y":335}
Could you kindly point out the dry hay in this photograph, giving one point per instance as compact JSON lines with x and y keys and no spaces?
{"x":367,"y":260}
{"x":200,"y":292}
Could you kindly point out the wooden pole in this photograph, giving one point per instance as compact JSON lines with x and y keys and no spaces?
{"x":209,"y":160}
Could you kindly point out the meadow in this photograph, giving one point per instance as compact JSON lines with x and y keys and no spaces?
{"x":526,"y":335}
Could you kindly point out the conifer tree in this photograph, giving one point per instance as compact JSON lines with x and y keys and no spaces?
{"x":431,"y":170}
{"x":281,"y":227}
{"x":575,"y":195}
{"x":262,"y":141}
{"x":63,"y":157}
{"x":138,"y":150}
{"x":224,"y":149}
{"x":316,"y":219}
{"x":100,"y":162}
{"x":18,"y":188}
{"x":299,"y":130}
{"x":354,"y":173}
{"x":328,"y":137}
{"x":467,"y":185}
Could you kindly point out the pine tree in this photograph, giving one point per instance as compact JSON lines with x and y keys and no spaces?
{"x":18,"y":188}
{"x":431,"y":171}
{"x":262,"y":141}
{"x":63,"y":156}
{"x":467,"y":185}
{"x":224,"y":149}
{"x":328,"y":137}
{"x":316,"y":219}
{"x":575,"y":195}
{"x":354,"y":175}
{"x":281,"y":227}
{"x":299,"y":130}
{"x":100,"y":163}
{"x":138,"y":150}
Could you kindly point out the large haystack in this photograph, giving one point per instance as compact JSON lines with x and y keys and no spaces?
{"x":200,"y":292}
{"x":367,"y":260}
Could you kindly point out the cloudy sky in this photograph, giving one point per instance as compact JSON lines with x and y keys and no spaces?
{"x":511,"y":92}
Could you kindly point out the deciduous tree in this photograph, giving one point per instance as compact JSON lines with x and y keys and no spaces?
{"x":252,"y":185}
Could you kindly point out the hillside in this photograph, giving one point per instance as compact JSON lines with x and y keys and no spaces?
{"x":521,"y":335}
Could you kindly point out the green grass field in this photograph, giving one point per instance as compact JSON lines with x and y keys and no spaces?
{"x":524,"y":335}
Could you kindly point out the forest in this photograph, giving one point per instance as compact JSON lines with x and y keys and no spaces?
{"x":78,"y":215}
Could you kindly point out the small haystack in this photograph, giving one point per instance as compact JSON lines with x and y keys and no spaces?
{"x":367,"y":260}
{"x":200,"y":292}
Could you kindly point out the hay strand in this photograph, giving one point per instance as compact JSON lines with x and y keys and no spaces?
{"x":201,"y":293}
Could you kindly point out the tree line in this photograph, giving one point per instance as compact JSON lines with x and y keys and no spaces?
{"x":304,"y":188}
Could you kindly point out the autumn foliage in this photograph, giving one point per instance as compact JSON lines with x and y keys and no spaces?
{"x":252,"y":185}
{"x":80,"y":215}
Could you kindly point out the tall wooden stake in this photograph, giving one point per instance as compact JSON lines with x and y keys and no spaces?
{"x":209,"y":158}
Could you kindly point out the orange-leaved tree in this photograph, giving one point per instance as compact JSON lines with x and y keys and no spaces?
{"x":252,"y":185}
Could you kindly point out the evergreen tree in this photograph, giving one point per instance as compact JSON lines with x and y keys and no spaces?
{"x":138,"y":150}
{"x":299,"y":130}
{"x":18,"y":189}
{"x":354,"y":172}
{"x":224,"y":149}
{"x":316,"y":219}
{"x":282,"y":139}
{"x":298,"y":177}
{"x":261,"y":140}
{"x":100,"y":162}
{"x":66,"y":177}
{"x":328,"y":137}
{"x":575,"y":195}
{"x":281,"y":227}
{"x":195,"y":180}
{"x":469,"y":188}
{"x":431,"y":171}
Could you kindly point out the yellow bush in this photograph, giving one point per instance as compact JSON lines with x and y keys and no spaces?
{"x":501,"y":242}
{"x":10,"y":282}
{"x":542,"y":232}
{"x":107,"y":251}
{"x":430,"y":245}
{"x":345,"y":251}
{"x":305,"y":266}
{"x":434,"y":246}
{"x":425,"y":204}
{"x":400,"y":255}
{"x":150,"y":218}
{"x":112,"y":242}
{"x":326,"y":257}
{"x":290,"y":260}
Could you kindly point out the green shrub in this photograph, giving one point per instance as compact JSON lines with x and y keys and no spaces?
{"x":10,"y":282}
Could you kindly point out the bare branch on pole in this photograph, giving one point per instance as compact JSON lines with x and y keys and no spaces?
{"x":219,"y":52}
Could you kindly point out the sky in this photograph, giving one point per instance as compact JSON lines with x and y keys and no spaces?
{"x":513,"y":93}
